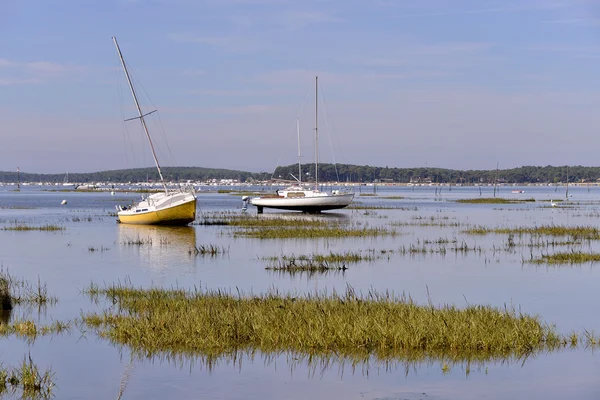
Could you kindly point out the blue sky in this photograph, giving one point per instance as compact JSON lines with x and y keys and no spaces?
{"x":447,"y":83}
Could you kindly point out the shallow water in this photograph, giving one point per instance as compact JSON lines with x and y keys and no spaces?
{"x":88,"y":367}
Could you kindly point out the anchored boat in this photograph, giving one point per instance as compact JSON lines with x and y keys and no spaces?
{"x":168,"y":207}
{"x":299,"y":197}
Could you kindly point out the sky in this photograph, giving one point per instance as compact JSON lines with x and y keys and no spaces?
{"x":462,"y":84}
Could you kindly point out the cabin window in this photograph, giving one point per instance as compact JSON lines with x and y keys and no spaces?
{"x":295,"y":194}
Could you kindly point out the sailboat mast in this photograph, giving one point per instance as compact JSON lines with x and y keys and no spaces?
{"x":141,"y":115}
{"x":299,"y":153}
{"x":316,"y":133}
{"x":18,"y":179}
{"x":567,"y":189}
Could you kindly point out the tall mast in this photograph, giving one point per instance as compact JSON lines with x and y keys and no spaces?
{"x":18,"y":179}
{"x":316,"y":133}
{"x":567,"y":191}
{"x":141,"y":115}
{"x":299,"y":153}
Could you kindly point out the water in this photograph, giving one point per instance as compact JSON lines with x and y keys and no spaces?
{"x":86,"y":366}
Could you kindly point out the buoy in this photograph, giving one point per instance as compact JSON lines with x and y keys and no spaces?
{"x":63,"y":202}
{"x":112,"y":193}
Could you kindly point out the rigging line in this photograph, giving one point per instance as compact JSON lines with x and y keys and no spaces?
{"x":124,"y":131}
{"x":286,"y":145}
{"x":323,"y":100}
{"x":162,"y":130}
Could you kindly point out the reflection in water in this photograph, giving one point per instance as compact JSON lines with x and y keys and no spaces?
{"x":318,"y":364}
{"x":162,"y":245}
{"x":5,"y":316}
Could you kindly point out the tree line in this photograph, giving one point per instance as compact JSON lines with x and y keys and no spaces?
{"x":328,"y":173}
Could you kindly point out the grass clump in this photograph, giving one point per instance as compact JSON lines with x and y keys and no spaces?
{"x":247,"y":221}
{"x":494,"y":200}
{"x":19,"y":291}
{"x":575,"y":232}
{"x":24,"y":227}
{"x":208,"y":250}
{"x":138,"y":241}
{"x":215,"y":322}
{"x":314,"y":232}
{"x":567,"y":258}
{"x":29,"y":379}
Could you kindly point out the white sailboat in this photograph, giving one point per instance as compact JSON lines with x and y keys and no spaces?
{"x":168,"y":207}
{"x":66,"y":184}
{"x":299,"y":197}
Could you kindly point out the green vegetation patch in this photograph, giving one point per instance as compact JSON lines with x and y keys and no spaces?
{"x":214,"y":322}
{"x":313,"y":232}
{"x":246,"y":220}
{"x":567,"y":258}
{"x":576,"y":232}
{"x":24,"y":227}
{"x":494,"y":200}
{"x":29,"y":379}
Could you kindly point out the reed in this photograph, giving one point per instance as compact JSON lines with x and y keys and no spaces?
{"x":23,"y":292}
{"x":567,"y":258}
{"x":100,"y":249}
{"x":575,"y":232}
{"x":24,"y":227}
{"x":293,"y":266}
{"x":246,"y":220}
{"x":494,"y":200}
{"x":313,"y":232}
{"x":138,"y":241}
{"x":29,"y":379}
{"x":216,"y":322}
{"x":346,"y":257}
{"x":208,"y":250}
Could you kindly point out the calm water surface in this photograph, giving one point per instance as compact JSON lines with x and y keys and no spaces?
{"x":88,"y":367}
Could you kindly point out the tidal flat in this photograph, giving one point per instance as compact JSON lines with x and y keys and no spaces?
{"x":466,"y":315}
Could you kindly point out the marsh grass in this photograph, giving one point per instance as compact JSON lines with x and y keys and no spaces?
{"x":359,"y":206}
{"x":29,"y":330}
{"x":368,"y":195}
{"x":567,"y":258}
{"x":23,"y":292}
{"x":216,"y":322}
{"x":138,"y":241}
{"x":346,"y":257}
{"x":101,"y":249}
{"x":575,"y":232}
{"x":208,"y":250}
{"x":29,"y":379}
{"x":314,"y":232}
{"x":494,"y":200}
{"x":246,"y":220}
{"x":392,"y":197}
{"x":24,"y":227}
{"x":310,"y":266}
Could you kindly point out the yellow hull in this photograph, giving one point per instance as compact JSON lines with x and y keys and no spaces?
{"x":181,"y":214}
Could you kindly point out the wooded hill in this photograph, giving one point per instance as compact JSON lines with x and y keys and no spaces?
{"x":328,"y":173}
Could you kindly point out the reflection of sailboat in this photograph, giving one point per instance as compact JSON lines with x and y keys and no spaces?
{"x":168,"y":207}
{"x":162,"y":244}
{"x":302,"y":198}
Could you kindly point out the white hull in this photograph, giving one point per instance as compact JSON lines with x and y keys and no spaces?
{"x":305,"y":204}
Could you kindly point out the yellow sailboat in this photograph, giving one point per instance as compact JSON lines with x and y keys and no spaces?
{"x":168,"y":207}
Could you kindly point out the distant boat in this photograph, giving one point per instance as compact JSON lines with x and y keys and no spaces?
{"x":66,"y":182}
{"x":299,"y":197}
{"x":168,"y":207}
{"x":518,"y":191}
